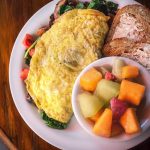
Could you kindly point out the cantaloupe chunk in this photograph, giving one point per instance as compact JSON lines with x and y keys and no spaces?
{"x":130,"y":72}
{"x":103,"y":125}
{"x":116,"y":129}
{"x":131,"y":92}
{"x":89,"y":80}
{"x":97,"y":115}
{"x":129,"y":121}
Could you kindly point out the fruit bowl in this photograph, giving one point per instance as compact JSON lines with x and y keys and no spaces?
{"x":143,"y":111}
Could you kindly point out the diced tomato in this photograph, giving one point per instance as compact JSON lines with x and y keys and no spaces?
{"x":109,"y":76}
{"x":31,"y":52}
{"x":24,"y":74}
{"x":28,"y":40}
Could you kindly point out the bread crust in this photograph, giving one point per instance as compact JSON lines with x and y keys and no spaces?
{"x":138,"y":51}
{"x":140,"y":14}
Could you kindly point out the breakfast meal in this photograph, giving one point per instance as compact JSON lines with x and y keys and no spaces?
{"x":80,"y":32}
{"x":110,"y":98}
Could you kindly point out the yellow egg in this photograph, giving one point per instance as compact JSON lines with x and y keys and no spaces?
{"x":73,"y":42}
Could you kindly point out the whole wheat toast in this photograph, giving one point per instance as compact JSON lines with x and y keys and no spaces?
{"x":132,"y":22}
{"x":138,"y":51}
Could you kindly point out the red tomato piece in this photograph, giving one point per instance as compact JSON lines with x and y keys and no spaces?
{"x":24,"y":74}
{"x":28,"y":40}
{"x":31,"y":52}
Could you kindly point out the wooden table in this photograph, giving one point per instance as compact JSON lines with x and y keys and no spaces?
{"x":13,"y":15}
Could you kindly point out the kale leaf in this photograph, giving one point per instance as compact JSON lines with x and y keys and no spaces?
{"x":52,"y":122}
{"x":111,"y":7}
{"x":27,"y":59}
{"x":95,"y":4}
{"x":65,"y":8}
{"x":102,"y":5}
{"x":80,"y":5}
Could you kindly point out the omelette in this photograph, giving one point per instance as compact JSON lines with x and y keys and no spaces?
{"x":73,"y":42}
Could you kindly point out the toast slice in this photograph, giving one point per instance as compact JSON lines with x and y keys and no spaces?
{"x":132,"y":22}
{"x":138,"y":51}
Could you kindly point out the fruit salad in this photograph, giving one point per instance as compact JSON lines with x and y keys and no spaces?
{"x":110,"y":98}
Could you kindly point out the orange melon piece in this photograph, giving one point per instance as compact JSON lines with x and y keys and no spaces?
{"x":130,"y":72}
{"x":129,"y":121}
{"x":103,"y":125}
{"x":89,"y":80}
{"x":96,"y":116}
{"x":116,"y":129}
{"x":131,"y":92}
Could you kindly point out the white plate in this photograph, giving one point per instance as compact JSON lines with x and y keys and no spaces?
{"x":73,"y":138}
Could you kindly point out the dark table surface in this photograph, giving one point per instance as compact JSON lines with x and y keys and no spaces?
{"x":13,"y":15}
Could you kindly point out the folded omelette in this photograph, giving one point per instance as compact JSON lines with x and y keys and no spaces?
{"x":73,"y":42}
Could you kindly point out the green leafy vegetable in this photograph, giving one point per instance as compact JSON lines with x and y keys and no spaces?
{"x":92,"y":5}
{"x":103,"y":5}
{"x":52,"y":122}
{"x":65,"y":8}
{"x":80,"y":5}
{"x":27,"y":60}
{"x":95,"y":4}
{"x":111,"y":7}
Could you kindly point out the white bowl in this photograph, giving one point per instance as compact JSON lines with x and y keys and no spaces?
{"x":144,"y":109}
